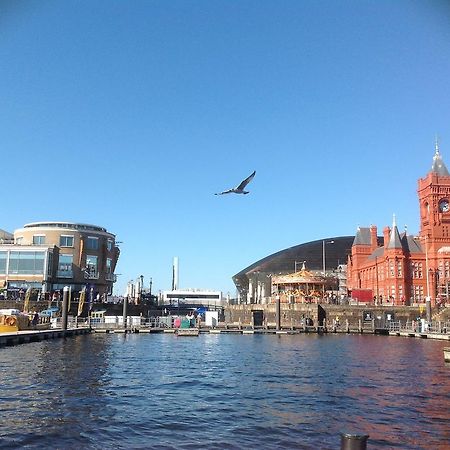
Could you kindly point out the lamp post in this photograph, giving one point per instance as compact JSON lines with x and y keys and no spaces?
{"x":324,"y":261}
{"x":428,"y":297}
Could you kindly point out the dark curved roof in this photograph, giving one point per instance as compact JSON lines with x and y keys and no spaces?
{"x":312,"y":252}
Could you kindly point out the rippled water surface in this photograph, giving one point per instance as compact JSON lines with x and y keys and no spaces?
{"x":224,"y":391}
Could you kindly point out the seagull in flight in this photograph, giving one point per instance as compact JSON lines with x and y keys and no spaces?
{"x":240,"y":188}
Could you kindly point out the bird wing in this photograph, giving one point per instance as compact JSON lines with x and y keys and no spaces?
{"x":225,"y":192}
{"x":246,"y":181}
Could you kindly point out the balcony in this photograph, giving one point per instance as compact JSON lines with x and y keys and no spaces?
{"x":64,"y":273}
{"x":111,"y":277}
{"x":91,"y":275}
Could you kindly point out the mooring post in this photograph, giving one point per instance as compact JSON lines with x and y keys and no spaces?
{"x":125,"y":304}
{"x":359,"y":326}
{"x":428,"y":309}
{"x":278,"y":312}
{"x":354,"y":441}
{"x":65,"y":307}
{"x":348,"y":327}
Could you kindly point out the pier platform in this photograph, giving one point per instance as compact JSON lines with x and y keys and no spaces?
{"x":23,"y":337}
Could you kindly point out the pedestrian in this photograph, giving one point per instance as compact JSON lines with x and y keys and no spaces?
{"x":35,"y":320}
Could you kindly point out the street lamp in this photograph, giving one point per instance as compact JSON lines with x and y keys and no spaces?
{"x":323,"y":261}
{"x":428,"y":297}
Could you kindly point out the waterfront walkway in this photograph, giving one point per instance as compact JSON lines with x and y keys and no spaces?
{"x":439,"y":332}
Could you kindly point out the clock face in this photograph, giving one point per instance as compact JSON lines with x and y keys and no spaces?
{"x":444,"y":206}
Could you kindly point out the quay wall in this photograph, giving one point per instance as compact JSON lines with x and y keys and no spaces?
{"x":295,"y":315}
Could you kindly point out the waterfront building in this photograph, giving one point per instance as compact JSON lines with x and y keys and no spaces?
{"x":46,"y":256}
{"x":407,"y":269}
{"x":192,"y":297}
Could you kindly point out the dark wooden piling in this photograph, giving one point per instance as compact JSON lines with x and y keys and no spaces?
{"x":65,"y":307}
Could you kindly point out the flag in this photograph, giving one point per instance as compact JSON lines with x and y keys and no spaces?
{"x":26,"y":303}
{"x":81,"y":301}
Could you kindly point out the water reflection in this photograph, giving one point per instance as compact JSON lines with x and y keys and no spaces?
{"x":224,"y":391}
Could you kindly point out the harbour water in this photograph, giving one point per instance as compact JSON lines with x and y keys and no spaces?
{"x":224,"y":391}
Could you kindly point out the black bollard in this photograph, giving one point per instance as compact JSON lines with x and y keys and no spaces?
{"x":65,"y":307}
{"x":125,"y":304}
{"x":354,"y":441}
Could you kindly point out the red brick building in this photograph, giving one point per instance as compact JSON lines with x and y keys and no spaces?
{"x":403,"y":269}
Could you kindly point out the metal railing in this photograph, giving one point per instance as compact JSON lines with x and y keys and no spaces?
{"x":418,"y":326}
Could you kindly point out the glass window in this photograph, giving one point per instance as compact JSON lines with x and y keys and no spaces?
{"x":66,"y":241}
{"x":3,"y":257}
{"x":38,"y":239}
{"x":92,"y":243}
{"x":92,"y":265}
{"x":19,"y":240}
{"x":108,"y":265}
{"x":109,"y":244}
{"x":65,"y":266}
{"x":26,"y":262}
{"x":399,"y":269}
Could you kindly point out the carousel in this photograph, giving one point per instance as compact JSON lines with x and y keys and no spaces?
{"x":299,"y":287}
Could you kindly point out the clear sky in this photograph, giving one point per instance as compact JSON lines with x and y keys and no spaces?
{"x":132,"y":114}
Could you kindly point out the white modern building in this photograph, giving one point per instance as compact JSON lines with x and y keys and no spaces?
{"x":197,"y":297}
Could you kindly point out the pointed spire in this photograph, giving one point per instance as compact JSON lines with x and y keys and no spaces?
{"x":394,"y":239}
{"x":438,"y":165}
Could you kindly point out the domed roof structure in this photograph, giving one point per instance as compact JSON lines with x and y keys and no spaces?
{"x":287,"y":260}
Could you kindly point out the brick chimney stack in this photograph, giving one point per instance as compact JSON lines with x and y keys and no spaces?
{"x":386,"y":234}
{"x":373,"y":237}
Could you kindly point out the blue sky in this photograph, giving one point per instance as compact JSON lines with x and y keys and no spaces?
{"x":132,"y":114}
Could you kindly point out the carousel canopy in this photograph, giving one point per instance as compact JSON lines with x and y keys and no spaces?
{"x":301,"y":277}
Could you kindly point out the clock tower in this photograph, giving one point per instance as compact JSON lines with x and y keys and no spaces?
{"x":434,"y":200}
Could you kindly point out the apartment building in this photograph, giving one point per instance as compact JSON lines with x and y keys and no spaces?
{"x":46,"y":256}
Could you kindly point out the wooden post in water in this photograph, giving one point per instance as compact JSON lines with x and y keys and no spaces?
{"x":125,"y":304}
{"x":65,"y":307}
{"x":278,"y":312}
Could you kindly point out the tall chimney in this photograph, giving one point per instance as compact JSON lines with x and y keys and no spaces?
{"x":175,"y":274}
